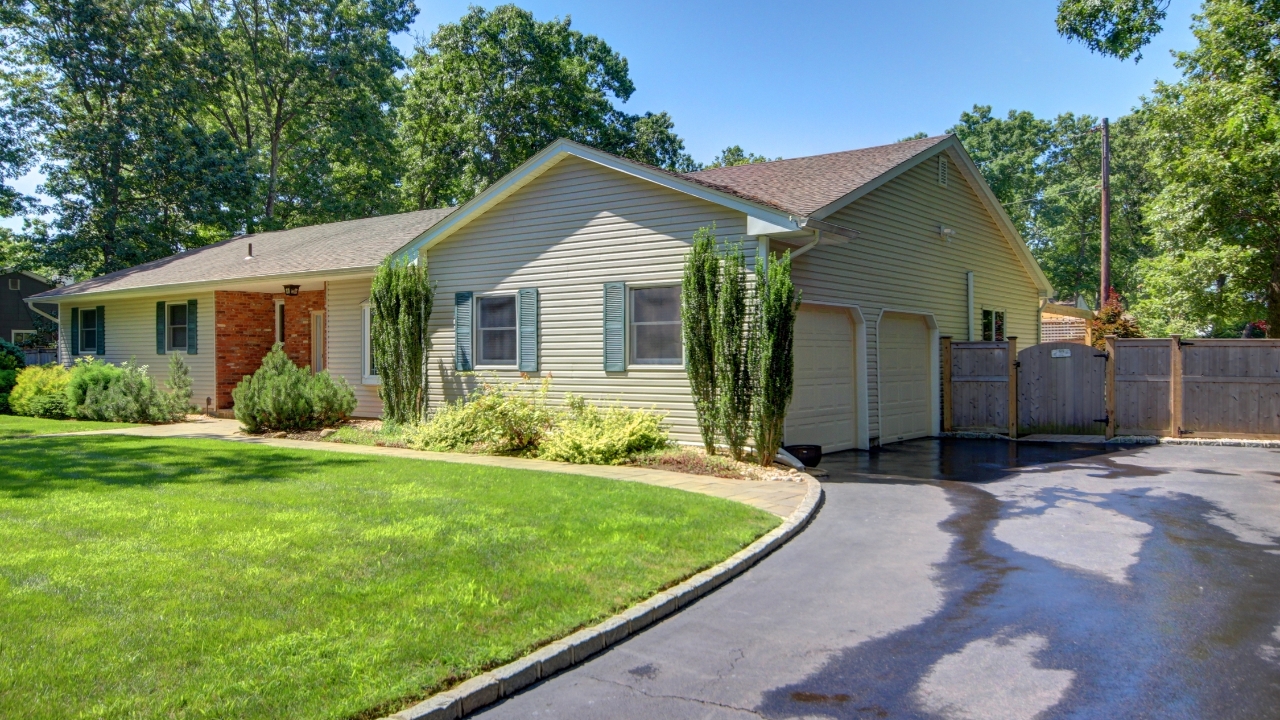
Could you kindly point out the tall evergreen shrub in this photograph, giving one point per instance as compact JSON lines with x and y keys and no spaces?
{"x":699,"y":302}
{"x":732,"y":361}
{"x":774,"y":357}
{"x":400,"y":305}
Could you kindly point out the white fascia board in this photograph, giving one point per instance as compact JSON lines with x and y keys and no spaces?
{"x":557,"y":151}
{"x":204,"y":285}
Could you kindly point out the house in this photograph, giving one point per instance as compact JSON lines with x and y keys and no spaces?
{"x":570,"y":267}
{"x":16,"y":318}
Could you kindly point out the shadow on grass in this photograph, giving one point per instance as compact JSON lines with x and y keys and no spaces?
{"x":33,"y":467}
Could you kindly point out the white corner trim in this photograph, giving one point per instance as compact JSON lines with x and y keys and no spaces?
{"x":561,"y":149}
{"x":935,"y":371}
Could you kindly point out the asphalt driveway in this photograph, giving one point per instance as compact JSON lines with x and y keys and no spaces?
{"x":1143,"y":583}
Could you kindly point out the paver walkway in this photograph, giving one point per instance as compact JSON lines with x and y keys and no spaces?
{"x":780,"y":498}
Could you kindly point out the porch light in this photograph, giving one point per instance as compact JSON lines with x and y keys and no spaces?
{"x":291,"y":289}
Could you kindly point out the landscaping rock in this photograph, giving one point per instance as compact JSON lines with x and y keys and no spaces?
{"x":327,"y":432}
{"x":278,"y":435}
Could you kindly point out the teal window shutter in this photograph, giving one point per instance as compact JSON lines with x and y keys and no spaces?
{"x":615,"y":327}
{"x":160,"y":328}
{"x":102,"y":332}
{"x":528,"y":324}
{"x":75,"y":331}
{"x":462,"y":331}
{"x":192,"y":326}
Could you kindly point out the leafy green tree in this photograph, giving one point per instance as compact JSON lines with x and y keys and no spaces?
{"x":494,"y":88}
{"x":1047,"y":174}
{"x":1119,"y":28}
{"x":773,"y":356}
{"x":400,"y":308}
{"x":1215,"y":139}
{"x":106,"y":88}
{"x":306,"y":89}
{"x":699,"y":292}
{"x":735,"y":155}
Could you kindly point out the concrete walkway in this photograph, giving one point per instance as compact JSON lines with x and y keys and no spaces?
{"x":780,"y":498}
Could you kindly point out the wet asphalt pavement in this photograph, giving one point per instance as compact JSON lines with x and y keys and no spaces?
{"x":981,"y":579}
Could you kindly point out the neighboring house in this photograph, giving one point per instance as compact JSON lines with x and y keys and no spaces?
{"x":570,"y":267}
{"x":16,"y":324}
{"x":1066,"y":321}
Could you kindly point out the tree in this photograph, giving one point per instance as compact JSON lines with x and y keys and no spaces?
{"x":1046,"y":174}
{"x":491,"y":90}
{"x":774,"y":353}
{"x":1215,"y":140}
{"x":1112,"y":320}
{"x":699,"y":300}
{"x":105,"y":85}
{"x":733,"y":344}
{"x":1119,"y":28}
{"x":307,"y":91}
{"x":735,"y":155}
{"x":400,"y":308}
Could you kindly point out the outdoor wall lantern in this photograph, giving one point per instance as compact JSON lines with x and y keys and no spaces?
{"x":291,"y":289}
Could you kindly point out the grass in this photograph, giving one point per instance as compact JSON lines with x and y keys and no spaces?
{"x":149,"y":578}
{"x":17,"y":426}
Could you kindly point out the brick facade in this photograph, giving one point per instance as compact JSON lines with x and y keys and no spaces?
{"x":245,"y":330}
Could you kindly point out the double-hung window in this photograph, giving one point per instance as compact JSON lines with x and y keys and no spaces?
{"x":496,"y":326}
{"x":177,"y":326}
{"x":993,"y":325}
{"x":655,"y":326}
{"x":88,"y":331}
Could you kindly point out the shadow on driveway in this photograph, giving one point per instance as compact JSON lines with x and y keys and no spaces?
{"x":960,"y":459}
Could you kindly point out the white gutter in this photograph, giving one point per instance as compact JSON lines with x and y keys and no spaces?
{"x":31,"y":305}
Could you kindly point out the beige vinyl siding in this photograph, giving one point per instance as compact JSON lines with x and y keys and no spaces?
{"x":900,"y":262}
{"x":131,"y":333}
{"x":344,"y":333}
{"x":567,"y":233}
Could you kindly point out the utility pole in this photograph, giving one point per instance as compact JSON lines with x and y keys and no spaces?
{"x":1106,"y":214}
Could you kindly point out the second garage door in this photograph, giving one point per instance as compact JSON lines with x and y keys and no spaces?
{"x":904,"y":377}
{"x":822,"y":410}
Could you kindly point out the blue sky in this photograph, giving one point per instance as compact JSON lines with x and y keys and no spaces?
{"x":803,"y":77}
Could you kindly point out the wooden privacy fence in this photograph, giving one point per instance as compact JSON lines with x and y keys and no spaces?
{"x":1149,"y":386}
{"x":1208,"y":388}
{"x":977,"y":379}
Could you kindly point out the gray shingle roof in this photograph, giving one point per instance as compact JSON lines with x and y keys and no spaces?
{"x":804,"y":185}
{"x":347,"y":245}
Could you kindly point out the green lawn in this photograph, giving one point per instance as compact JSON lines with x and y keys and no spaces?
{"x":149,"y":578}
{"x":16,"y":426}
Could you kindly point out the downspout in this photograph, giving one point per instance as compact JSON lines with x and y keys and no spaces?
{"x":32,"y":307}
{"x":968,"y":290}
{"x":817,"y":238}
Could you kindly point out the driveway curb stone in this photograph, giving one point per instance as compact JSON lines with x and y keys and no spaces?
{"x":489,"y":687}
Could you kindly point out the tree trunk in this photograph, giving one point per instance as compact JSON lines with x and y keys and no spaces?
{"x":1273,"y":294}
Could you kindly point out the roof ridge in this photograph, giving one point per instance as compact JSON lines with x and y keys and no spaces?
{"x":934,"y":138}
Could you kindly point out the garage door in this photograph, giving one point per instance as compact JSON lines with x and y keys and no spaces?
{"x":822,"y":410}
{"x":904,"y":377}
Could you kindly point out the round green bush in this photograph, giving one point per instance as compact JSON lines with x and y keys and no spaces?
{"x":35,"y":382}
{"x":282,"y":396}
{"x":11,"y":356}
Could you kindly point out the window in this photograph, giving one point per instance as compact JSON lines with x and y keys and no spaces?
{"x":369,"y":368}
{"x":15,"y":283}
{"x":993,"y":325}
{"x":655,"y":326}
{"x":88,"y":331}
{"x":496,"y":322}
{"x":177,"y":330}
{"x":24,"y":338}
{"x":280,"y":334}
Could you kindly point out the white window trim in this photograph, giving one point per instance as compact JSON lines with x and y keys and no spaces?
{"x":475,"y":331}
{"x":84,"y":350}
{"x":13,"y":335}
{"x":168,"y":328}
{"x":15,"y":284}
{"x":365,"y":377}
{"x":1002,"y":311}
{"x":628,"y":341}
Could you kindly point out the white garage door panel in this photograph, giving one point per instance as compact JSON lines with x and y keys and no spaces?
{"x":822,"y":410}
{"x":904,"y":377}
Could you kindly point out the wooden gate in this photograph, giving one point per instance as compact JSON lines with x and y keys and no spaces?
{"x":976,"y":379}
{"x":1062,"y":389}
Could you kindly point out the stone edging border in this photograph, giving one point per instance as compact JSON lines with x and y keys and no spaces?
{"x":489,"y":687}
